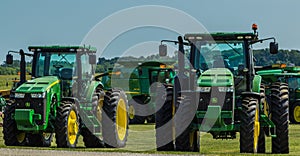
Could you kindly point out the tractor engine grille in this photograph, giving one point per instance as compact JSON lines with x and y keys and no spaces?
{"x":37,"y":104}
{"x":216,"y":98}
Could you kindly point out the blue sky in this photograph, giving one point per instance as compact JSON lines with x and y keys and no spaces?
{"x":34,"y":22}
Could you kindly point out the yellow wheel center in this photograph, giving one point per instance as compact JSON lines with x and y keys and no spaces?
{"x":121,"y":119}
{"x":72,"y":127}
{"x":21,"y":137}
{"x":297,"y":113}
{"x":99,"y":110}
{"x":131,"y":112}
{"x":256,"y":130}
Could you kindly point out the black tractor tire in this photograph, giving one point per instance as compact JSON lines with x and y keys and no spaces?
{"x":91,"y":140}
{"x":67,"y":125}
{"x":279,"y":116}
{"x":184,"y":115}
{"x":247,"y":128}
{"x":137,"y":119}
{"x":115,"y":118}
{"x":163,"y":118}
{"x":40,"y":140}
{"x":11,"y":135}
{"x":295,"y":113}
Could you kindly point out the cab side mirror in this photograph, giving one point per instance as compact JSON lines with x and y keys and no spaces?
{"x":163,"y":50}
{"x":9,"y":59}
{"x":92,"y":59}
{"x":273,"y":47}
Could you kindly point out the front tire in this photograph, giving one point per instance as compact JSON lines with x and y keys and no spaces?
{"x":163,"y":120}
{"x":12,"y":136}
{"x":249,"y":129}
{"x":67,"y":125}
{"x":115,"y":118}
{"x":186,"y":139}
{"x":279,"y":116}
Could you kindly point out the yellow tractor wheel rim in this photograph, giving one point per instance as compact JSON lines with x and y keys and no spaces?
{"x":256,"y":130}
{"x":131,"y":112}
{"x":297,"y":113}
{"x":72,"y":127}
{"x":99,"y":110}
{"x":21,"y":137}
{"x":192,"y":139}
{"x":121,"y":119}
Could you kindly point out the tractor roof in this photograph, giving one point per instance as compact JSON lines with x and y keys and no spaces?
{"x":56,"y":48}
{"x":220,"y":36}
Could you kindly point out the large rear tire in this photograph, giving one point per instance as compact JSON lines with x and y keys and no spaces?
{"x":163,"y":120}
{"x":95,"y":140}
{"x":115,"y":118}
{"x":279,"y":116}
{"x":250,"y":127}
{"x":12,"y":136}
{"x":67,"y":125}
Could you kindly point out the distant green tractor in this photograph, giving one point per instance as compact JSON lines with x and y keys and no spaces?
{"x":217,"y":91}
{"x":136,"y":78}
{"x":63,"y":98}
{"x":289,"y":75}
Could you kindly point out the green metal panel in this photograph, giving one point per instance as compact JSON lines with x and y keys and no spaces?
{"x":256,"y":84}
{"x":216,"y":77}
{"x":38,"y":85}
{"x":25,"y":119}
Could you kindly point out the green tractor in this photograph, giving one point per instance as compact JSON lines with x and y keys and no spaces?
{"x":65,"y":99}
{"x":217,"y":91}
{"x":289,"y":75}
{"x":136,"y":79}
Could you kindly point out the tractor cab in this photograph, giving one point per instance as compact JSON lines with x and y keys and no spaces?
{"x":71,"y":65}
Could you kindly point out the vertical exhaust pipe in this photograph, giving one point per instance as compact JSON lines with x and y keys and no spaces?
{"x":22,"y":68}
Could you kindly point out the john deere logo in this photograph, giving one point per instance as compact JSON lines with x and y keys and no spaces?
{"x":214,"y":100}
{"x":27,"y":104}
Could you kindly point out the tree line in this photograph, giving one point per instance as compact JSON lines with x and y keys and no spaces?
{"x":262,"y":58}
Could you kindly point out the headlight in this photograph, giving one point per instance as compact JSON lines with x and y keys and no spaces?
{"x":19,"y":95}
{"x":38,"y":95}
{"x":225,"y":89}
{"x":204,"y":89}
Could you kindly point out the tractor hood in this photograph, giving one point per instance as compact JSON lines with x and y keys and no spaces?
{"x":215,"y":77}
{"x":38,"y":85}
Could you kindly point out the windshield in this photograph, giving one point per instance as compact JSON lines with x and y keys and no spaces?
{"x":220,"y":54}
{"x":50,"y":63}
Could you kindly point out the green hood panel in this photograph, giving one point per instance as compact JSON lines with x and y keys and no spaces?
{"x":216,"y":77}
{"x":38,"y":85}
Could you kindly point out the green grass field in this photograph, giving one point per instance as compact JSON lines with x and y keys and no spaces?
{"x":141,"y":139}
{"x":8,"y":79}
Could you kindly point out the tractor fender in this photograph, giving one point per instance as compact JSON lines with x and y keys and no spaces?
{"x":91,"y":89}
{"x":251,"y":94}
{"x":256,"y":84}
